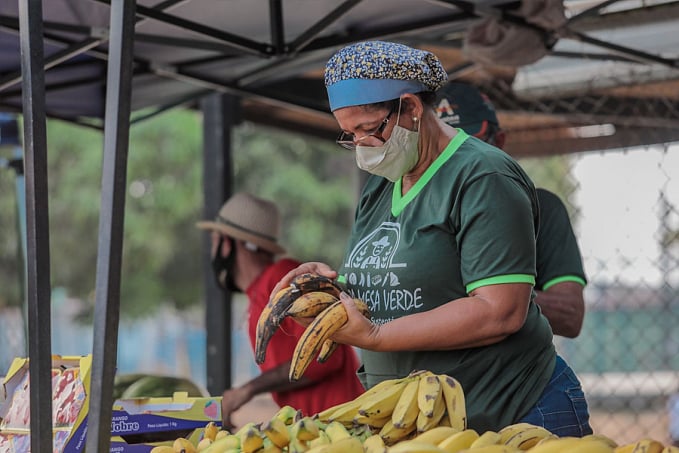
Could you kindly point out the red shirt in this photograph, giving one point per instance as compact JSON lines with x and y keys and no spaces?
{"x":335,"y":381}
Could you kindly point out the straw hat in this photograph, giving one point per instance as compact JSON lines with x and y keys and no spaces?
{"x":248,"y":218}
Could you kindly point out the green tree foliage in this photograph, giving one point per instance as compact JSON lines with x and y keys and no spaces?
{"x":312,"y":181}
{"x":11,"y":278}
{"x":554,"y":174}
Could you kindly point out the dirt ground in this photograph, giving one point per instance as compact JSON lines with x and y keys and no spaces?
{"x":623,"y":427}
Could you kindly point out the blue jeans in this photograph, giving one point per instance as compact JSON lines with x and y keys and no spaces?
{"x":562,"y":407}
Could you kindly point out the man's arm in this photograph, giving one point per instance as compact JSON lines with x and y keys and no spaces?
{"x":273,"y":380}
{"x":564,"y":306}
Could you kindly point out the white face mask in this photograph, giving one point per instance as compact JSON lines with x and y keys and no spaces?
{"x":394,"y":158}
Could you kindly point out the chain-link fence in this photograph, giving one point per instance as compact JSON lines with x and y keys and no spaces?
{"x":624,"y":205}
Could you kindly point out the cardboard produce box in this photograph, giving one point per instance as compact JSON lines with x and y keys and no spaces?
{"x":70,"y":400}
{"x":137,"y":425}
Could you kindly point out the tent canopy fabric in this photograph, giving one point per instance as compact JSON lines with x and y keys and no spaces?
{"x":272,"y":53}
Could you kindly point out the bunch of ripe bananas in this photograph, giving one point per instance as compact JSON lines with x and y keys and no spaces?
{"x":397,"y":409}
{"x":308,"y":296}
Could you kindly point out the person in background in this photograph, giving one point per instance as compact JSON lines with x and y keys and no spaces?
{"x":442,"y":249}
{"x":244,"y":249}
{"x":560,"y":278}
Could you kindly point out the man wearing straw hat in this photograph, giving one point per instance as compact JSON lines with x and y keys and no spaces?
{"x":245,"y":245}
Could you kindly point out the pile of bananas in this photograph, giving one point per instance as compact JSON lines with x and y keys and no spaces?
{"x":420,"y":413}
{"x":308,"y":296}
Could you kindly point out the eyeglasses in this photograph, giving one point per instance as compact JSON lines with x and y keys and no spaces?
{"x":349,"y":141}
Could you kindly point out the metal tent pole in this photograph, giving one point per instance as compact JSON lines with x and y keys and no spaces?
{"x":111,"y":221}
{"x":220,"y":113}
{"x":37,"y":224}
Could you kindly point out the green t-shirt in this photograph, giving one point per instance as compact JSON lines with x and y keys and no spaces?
{"x":468,"y":222}
{"x":558,"y":254}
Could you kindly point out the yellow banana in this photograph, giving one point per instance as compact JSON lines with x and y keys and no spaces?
{"x":424,"y":423}
{"x":382,"y":404}
{"x":224,"y":443}
{"x":428,"y":392}
{"x":526,"y":438}
{"x":222,"y":433}
{"x":320,"y":329}
{"x":304,"y":429}
{"x":647,"y":445}
{"x":270,"y":319}
{"x":336,"y":431}
{"x":277,"y":431}
{"x":288,"y":414}
{"x":596,"y":446}
{"x":495,"y":448}
{"x":251,"y":438}
{"x":326,"y":351}
{"x":162,"y":449}
{"x":453,"y":396}
{"x":345,"y":412}
{"x":211,"y":430}
{"x":330,"y":346}
{"x":459,"y":441}
{"x":269,"y":447}
{"x":374,"y":444}
{"x":625,"y":448}
{"x":322,"y":439}
{"x":348,"y":445}
{"x":374,"y":422}
{"x":308,"y":282}
{"x":182,"y":445}
{"x":605,"y":439}
{"x":406,"y":409}
{"x":511,"y":430}
{"x":310,"y":304}
{"x":203,"y":444}
{"x":413,"y":446}
{"x":391,"y":434}
{"x":487,"y":438}
{"x":297,"y":446}
{"x":559,"y":444}
{"x":436,"y":434}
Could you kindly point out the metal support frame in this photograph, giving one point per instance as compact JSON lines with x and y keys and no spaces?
{"x":37,"y":224}
{"x":111,"y":222}
{"x":220,"y":113}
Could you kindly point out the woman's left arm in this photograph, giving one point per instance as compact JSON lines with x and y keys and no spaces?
{"x":488,"y":315}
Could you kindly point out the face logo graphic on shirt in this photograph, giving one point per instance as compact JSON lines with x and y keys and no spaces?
{"x":376,"y":251}
{"x":373,"y":275}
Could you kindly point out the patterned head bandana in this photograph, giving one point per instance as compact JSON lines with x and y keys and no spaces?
{"x":377,"y":71}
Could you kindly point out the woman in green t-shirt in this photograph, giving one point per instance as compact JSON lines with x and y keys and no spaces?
{"x":442,"y":249}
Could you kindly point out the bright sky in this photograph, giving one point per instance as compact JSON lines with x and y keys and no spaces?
{"x":619,"y":198}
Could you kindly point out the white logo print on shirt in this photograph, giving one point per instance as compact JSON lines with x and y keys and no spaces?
{"x":368,"y":267}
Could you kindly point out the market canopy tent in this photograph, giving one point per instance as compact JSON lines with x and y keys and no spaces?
{"x":272,"y":53}
{"x":614,"y":63}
